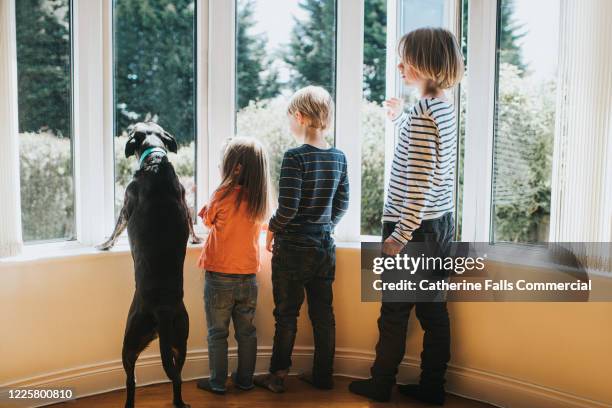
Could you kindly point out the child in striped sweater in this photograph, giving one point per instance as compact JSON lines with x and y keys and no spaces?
{"x":419,"y":208}
{"x":313,"y":196}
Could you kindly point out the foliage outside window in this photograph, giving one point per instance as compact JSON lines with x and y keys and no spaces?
{"x":154,"y":47}
{"x":373,"y":116}
{"x":273,"y":60}
{"x":45,"y":111}
{"x":525,"y":121}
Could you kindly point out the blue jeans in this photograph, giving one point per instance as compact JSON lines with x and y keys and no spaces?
{"x":231,"y":296}
{"x":304,"y":262}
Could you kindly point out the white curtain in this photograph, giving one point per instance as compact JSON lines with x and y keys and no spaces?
{"x":10,"y":215}
{"x":581,"y":209}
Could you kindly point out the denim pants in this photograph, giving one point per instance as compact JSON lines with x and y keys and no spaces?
{"x":433,"y":317}
{"x":304,"y":262}
{"x":231,"y":296}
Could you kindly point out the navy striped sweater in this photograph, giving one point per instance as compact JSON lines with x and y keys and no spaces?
{"x":422,"y":181}
{"x":313,"y":189}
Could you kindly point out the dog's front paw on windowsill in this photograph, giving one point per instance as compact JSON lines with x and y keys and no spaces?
{"x":195,"y":240}
{"x":104,"y":246}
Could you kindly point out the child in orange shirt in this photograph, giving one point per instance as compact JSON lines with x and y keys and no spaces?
{"x":230,"y":257}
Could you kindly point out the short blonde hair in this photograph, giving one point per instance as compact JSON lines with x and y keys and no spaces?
{"x":314,"y":103}
{"x":435,"y":54}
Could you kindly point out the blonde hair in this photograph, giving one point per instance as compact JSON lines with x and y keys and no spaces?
{"x":245,"y":164}
{"x":435,"y":55}
{"x":315,"y":104}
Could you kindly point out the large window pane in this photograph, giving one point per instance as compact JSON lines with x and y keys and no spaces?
{"x":154,"y":46}
{"x":373,"y":116}
{"x":281,"y":46}
{"x":413,"y":14}
{"x":525,"y":120}
{"x":45,"y":130}
{"x":461,"y":119}
{"x":422,"y":13}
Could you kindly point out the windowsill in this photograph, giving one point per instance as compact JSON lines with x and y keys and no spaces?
{"x":73,"y":250}
{"x":508,"y":254}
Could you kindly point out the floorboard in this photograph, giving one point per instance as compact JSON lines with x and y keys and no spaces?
{"x":298,"y":395}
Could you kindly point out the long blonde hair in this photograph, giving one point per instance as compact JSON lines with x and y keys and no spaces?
{"x":245,"y":164}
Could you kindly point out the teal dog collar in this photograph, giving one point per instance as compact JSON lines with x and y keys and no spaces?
{"x":149,"y":151}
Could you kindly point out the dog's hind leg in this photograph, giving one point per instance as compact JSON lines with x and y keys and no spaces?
{"x":166,"y":322}
{"x":179,"y":347}
{"x":139,"y":332}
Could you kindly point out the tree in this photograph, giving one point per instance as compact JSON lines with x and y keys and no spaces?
{"x":312,"y":47}
{"x":154,"y":65}
{"x":254,"y":82}
{"x":510,"y":33}
{"x":43,"y":65}
{"x":374,"y":50}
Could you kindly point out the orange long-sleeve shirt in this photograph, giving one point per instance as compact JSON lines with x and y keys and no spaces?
{"x":232,"y":245}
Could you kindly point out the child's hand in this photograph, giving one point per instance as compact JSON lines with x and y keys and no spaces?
{"x":202,"y":212}
{"x":394,"y":106}
{"x":269,"y":240}
{"x":391,"y":247}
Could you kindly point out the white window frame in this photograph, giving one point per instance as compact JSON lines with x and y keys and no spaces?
{"x":92,"y":65}
{"x":394,"y":84}
{"x":478,"y":148}
{"x":349,"y":79}
{"x":93,"y":121}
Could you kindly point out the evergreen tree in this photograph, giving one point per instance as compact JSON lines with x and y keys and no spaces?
{"x":510,"y":33}
{"x":312,"y":48}
{"x":374,"y":49}
{"x":154,"y":65}
{"x":255,"y":77}
{"x":43,"y":65}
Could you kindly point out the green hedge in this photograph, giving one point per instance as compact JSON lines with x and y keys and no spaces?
{"x":521,"y":187}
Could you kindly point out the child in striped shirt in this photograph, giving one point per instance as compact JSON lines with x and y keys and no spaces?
{"x":313,"y":196}
{"x":419,"y":208}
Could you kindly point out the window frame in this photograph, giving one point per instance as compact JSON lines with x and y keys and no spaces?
{"x":92,"y":112}
{"x":349,"y":60}
{"x":71,"y":30}
{"x":479,"y":122}
{"x":394,"y":83}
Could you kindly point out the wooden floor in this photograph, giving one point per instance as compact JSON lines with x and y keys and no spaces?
{"x":298,"y":394}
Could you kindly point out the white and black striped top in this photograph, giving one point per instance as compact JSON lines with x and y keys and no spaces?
{"x":422,"y":181}
{"x":313,"y":190}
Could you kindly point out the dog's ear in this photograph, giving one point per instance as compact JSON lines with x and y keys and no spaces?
{"x":132,"y":144}
{"x":170,"y":142}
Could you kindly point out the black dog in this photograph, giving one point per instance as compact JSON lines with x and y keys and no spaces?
{"x":158,"y":222}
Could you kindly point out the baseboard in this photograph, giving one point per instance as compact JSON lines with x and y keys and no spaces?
{"x":475,"y":384}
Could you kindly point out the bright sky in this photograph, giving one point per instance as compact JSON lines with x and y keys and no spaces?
{"x":540,"y":19}
{"x":274,"y":17}
{"x":541,"y":44}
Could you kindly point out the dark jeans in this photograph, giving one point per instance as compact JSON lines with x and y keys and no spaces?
{"x":231,"y":296}
{"x":304,"y":262}
{"x":433,"y":317}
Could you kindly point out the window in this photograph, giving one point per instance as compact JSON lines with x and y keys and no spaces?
{"x":411,"y":14}
{"x":373,"y":116}
{"x":154,"y":79}
{"x":525,"y":120}
{"x":45,"y":127}
{"x":415,"y":14}
{"x":280,"y":47}
{"x":461,"y":115}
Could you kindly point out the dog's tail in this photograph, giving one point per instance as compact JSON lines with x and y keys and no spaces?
{"x":165,"y":320}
